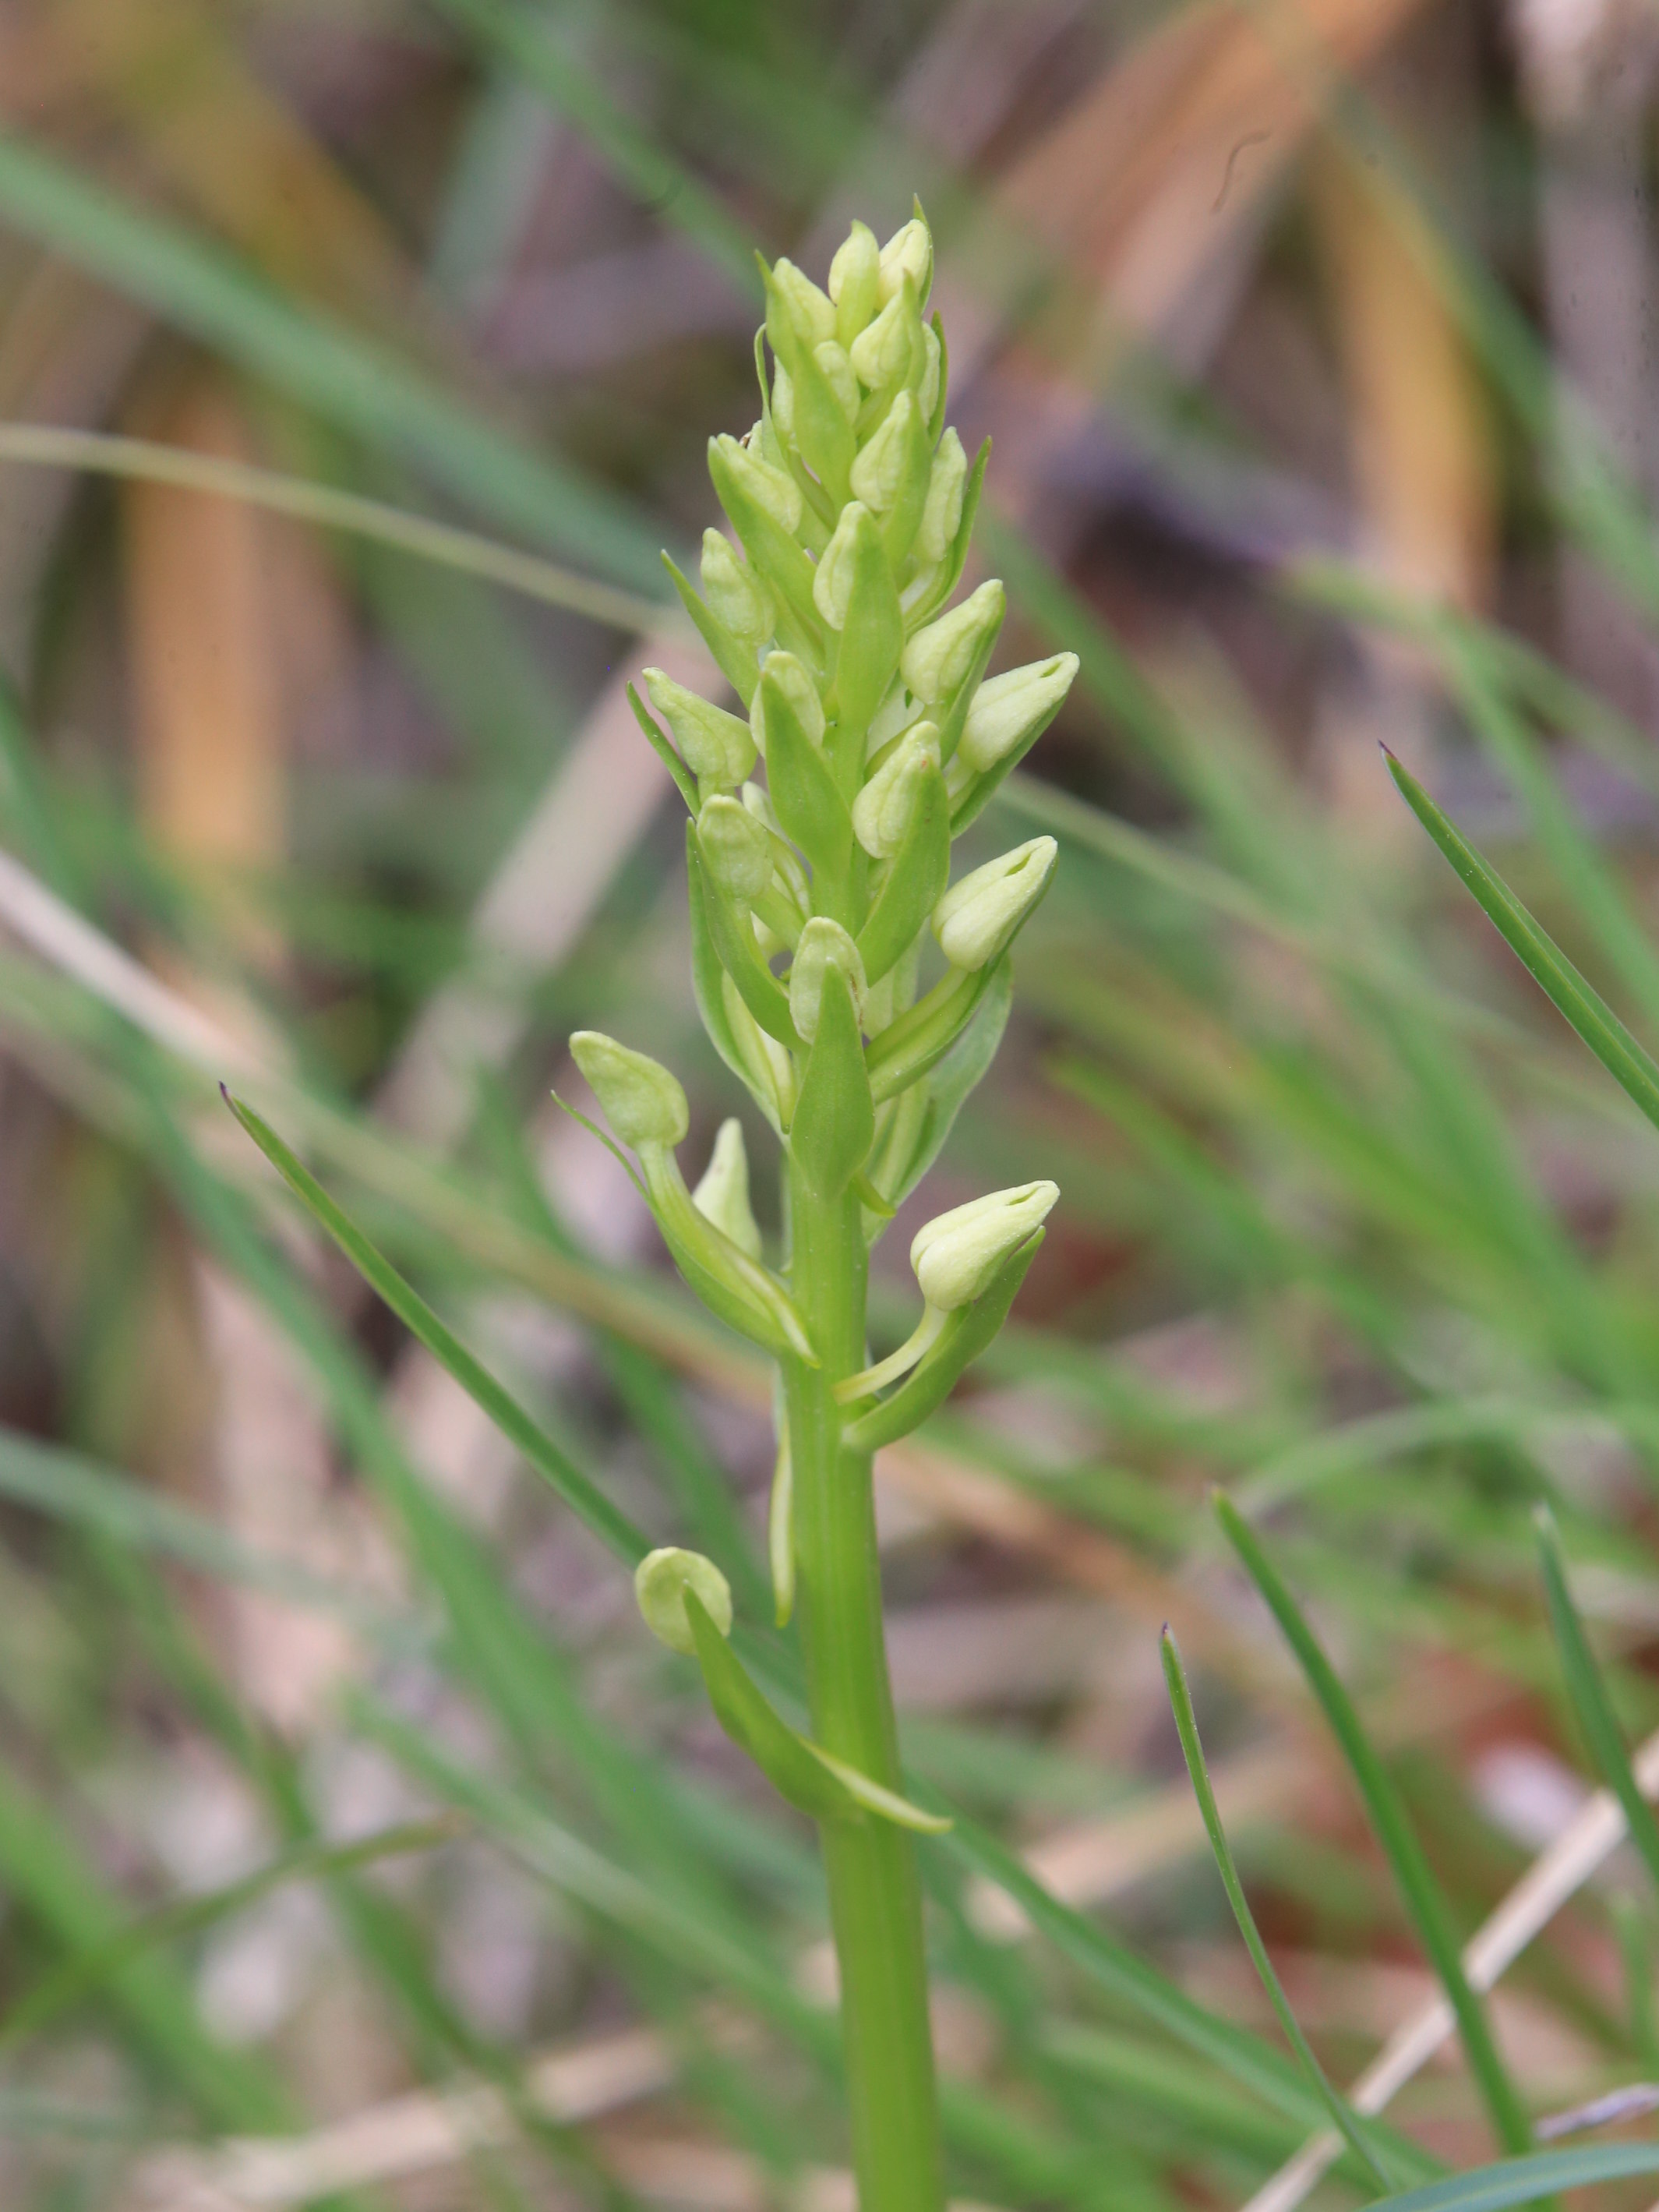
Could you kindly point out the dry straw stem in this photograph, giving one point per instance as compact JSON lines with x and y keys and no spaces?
{"x":1590,"y":1838}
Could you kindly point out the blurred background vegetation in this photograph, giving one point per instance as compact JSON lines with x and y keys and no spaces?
{"x":356,"y":1846}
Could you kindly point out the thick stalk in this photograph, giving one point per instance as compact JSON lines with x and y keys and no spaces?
{"x":875,"y":1902}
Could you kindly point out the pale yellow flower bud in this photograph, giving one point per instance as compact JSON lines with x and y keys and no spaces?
{"x":932,"y":367}
{"x":907,"y":252}
{"x":771,"y":488}
{"x":855,"y":281}
{"x":937,"y":658}
{"x":941,"y":516}
{"x":832,"y":584}
{"x":956,"y":1255}
{"x":1006,"y":708}
{"x":736,"y":595}
{"x":661,"y":1582}
{"x":882,"y":350}
{"x":717,"y":746}
{"x":823,"y":944}
{"x":736,"y":849}
{"x":643,"y":1101}
{"x":722,"y":1196}
{"x":837,"y":369}
{"x":882,"y":811}
{"x":811,"y":313}
{"x":878,"y":472}
{"x":786,"y":669}
{"x":978,"y":917}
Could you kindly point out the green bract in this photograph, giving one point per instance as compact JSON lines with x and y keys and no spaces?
{"x":818,"y":858}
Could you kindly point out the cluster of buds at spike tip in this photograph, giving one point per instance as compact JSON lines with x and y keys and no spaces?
{"x":836,"y":966}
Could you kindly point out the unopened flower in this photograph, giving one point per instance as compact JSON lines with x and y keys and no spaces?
{"x":879,"y":470}
{"x":932,"y":367}
{"x":838,"y":374}
{"x":722,"y":1196}
{"x":790,"y":676}
{"x":907,"y":252}
{"x":769,"y":488}
{"x":855,"y":281}
{"x":832,"y":583}
{"x":823,"y":944}
{"x":718,"y":747}
{"x":882,"y":811}
{"x":955,"y":1255}
{"x":661,"y":1582}
{"x":941,"y":514}
{"x":978,"y":917}
{"x":811,"y":313}
{"x":881,"y":350}
{"x":937,"y":658}
{"x":1008,"y":711}
{"x":643,"y":1101}
{"x":737,"y":847}
{"x":736,"y":595}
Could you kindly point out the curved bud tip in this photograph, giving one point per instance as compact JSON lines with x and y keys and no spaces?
{"x":787,"y":679}
{"x":907,"y":252}
{"x":937,"y":657}
{"x":878,"y":472}
{"x":1008,"y":711}
{"x":736,"y":595}
{"x":832,"y":584}
{"x":718,"y":747}
{"x":955,"y":1255}
{"x":771,"y":489}
{"x":643,"y":1101}
{"x":882,"y":811}
{"x":978,"y":917}
{"x":810,"y":313}
{"x":722,"y":1196}
{"x":736,"y":848}
{"x":661,"y":1582}
{"x":823,"y":944}
{"x":941,"y":514}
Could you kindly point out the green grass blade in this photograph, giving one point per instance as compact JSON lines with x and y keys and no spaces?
{"x":1630,"y":1065}
{"x":1421,"y":1893}
{"x":584,"y":1498}
{"x":1589,"y":1697}
{"x":359,"y":385}
{"x":1181,"y":1703}
{"x":189,"y":1916}
{"x":1526,"y":2181}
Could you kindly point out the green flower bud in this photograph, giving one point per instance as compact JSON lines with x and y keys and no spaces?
{"x":660,"y":1582}
{"x":758,"y":801}
{"x":736,"y":849}
{"x":769,"y":488}
{"x":941,"y":517}
{"x":832,"y":584}
{"x":932,"y":367}
{"x":878,"y":472}
{"x":783,"y":403}
{"x":717,"y":746}
{"x":907,"y":252}
{"x":977,"y":918}
{"x":837,"y":369}
{"x":643,"y":1101}
{"x":882,"y":351}
{"x":956,"y":1256}
{"x":722,"y":1196}
{"x":736,"y":595}
{"x":1007,"y":711}
{"x":882,"y":811}
{"x":811,"y":314}
{"x":855,"y":281}
{"x":823,"y":944}
{"x":937,"y":657}
{"x":799,"y":688}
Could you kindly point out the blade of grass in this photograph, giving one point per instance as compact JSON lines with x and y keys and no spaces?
{"x":1181,"y":1703}
{"x":1630,"y":1065}
{"x":1526,"y":2181}
{"x":191,"y":1916}
{"x":1589,"y":1697}
{"x":357,"y":384}
{"x":585,"y":1500}
{"x":1419,"y":1890}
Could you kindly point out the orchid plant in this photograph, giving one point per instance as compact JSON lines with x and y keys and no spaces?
{"x":818,"y":854}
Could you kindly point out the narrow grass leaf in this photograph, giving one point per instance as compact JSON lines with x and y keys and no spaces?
{"x":1418,"y":1886}
{"x":1589,"y":1697}
{"x":1631,"y":1067}
{"x":1181,"y":1703}
{"x":1526,"y":2181}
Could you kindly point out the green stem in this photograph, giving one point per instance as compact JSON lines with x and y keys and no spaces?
{"x":875,"y":1900}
